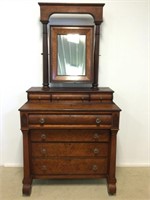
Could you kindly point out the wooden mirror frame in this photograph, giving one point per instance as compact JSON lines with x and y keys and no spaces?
{"x":64,"y":30}
{"x":94,"y":9}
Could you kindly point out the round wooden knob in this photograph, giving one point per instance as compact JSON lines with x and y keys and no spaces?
{"x":44,"y":168}
{"x":43,"y":136}
{"x":94,"y":167}
{"x":96,"y":136}
{"x":43,"y":151}
{"x":98,"y":121}
{"x":42,"y":121}
{"x":96,"y":150}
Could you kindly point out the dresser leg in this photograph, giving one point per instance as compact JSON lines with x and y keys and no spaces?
{"x":111,"y":187}
{"x":27,"y":186}
{"x":26,"y":189}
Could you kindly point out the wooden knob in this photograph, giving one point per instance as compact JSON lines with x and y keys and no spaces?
{"x":43,"y":136}
{"x":96,"y":136}
{"x":96,"y":150}
{"x":43,"y":151}
{"x":42,"y":121}
{"x":94,"y":167}
{"x":44,"y":168}
{"x":98,"y":121}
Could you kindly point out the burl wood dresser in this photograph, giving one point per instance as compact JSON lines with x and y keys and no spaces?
{"x":69,"y":132}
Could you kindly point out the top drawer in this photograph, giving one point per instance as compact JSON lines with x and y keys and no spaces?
{"x":70,"y":95}
{"x":67,"y":119}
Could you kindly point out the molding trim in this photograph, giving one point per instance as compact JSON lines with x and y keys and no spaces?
{"x":12,"y":165}
{"x":118,"y":165}
{"x":133,"y":165}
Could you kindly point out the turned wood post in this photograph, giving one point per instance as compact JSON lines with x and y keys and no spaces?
{"x":96,"y":54}
{"x":45,"y":55}
{"x":27,"y":180}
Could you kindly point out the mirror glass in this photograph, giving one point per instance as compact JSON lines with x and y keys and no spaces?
{"x":71,"y":57}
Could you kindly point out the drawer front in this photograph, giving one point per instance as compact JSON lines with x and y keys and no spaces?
{"x":39,"y":97}
{"x":70,"y":119}
{"x":69,"y":149}
{"x":69,"y":166}
{"x":66,"y":135}
{"x":101,"y":97}
{"x":76,"y":97}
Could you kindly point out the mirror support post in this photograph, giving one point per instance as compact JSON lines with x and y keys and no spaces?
{"x":96,"y":54}
{"x":45,"y":55}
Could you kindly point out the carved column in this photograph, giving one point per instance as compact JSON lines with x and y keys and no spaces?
{"x":45,"y":55}
{"x":96,"y":54}
{"x":111,"y":180}
{"x":27,"y":180}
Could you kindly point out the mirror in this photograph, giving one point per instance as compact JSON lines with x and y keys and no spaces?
{"x":71,"y":53}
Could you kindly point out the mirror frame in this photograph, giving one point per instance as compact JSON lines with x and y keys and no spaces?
{"x":48,"y":9}
{"x":88,"y":31}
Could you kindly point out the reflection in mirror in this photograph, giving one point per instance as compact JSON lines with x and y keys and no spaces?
{"x":71,"y":54}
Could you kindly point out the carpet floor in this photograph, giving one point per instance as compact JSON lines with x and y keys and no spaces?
{"x":132,"y":184}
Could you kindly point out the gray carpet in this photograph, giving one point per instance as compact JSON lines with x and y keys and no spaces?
{"x":132,"y":184}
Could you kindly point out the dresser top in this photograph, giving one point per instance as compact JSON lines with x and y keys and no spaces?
{"x":69,"y":90}
{"x":74,"y":107}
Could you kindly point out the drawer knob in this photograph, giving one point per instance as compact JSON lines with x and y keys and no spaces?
{"x":43,"y":151}
{"x":96,"y":150}
{"x":44,"y":168}
{"x":43,"y":136}
{"x":42,"y":121}
{"x":98,"y":121}
{"x":96,"y":135}
{"x":95,"y":168}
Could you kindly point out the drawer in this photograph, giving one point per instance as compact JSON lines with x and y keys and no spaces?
{"x":68,"y":166}
{"x":69,"y":149}
{"x":39,"y":97}
{"x":72,"y":97}
{"x":101,"y":97}
{"x":70,"y":119}
{"x":74,"y":135}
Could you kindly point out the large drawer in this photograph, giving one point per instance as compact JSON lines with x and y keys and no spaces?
{"x":69,"y":149}
{"x":58,"y":166}
{"x":74,"y":135}
{"x":67,"y":119}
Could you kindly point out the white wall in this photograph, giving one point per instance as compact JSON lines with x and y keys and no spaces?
{"x":124,"y":67}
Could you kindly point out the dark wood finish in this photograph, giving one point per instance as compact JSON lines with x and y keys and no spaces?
{"x":47,"y":9}
{"x":36,"y":94}
{"x":69,"y":149}
{"x":69,"y":135}
{"x":69,"y":132}
{"x":96,"y":11}
{"x":45,"y":56}
{"x":75,"y":166}
{"x":64,"y":30}
{"x":96,"y":55}
{"x":69,"y":140}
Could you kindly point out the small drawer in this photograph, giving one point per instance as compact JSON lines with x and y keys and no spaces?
{"x":70,"y":135}
{"x":72,"y":97}
{"x":39,"y":97}
{"x":69,"y":149}
{"x":69,"y":166}
{"x":53,"y":119}
{"x":101,"y":97}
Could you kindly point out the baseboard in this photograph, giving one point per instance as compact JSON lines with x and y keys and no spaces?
{"x":134,"y":165}
{"x":12,"y":165}
{"x":118,"y":165}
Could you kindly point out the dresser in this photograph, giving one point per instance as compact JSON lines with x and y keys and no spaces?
{"x":69,"y":132}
